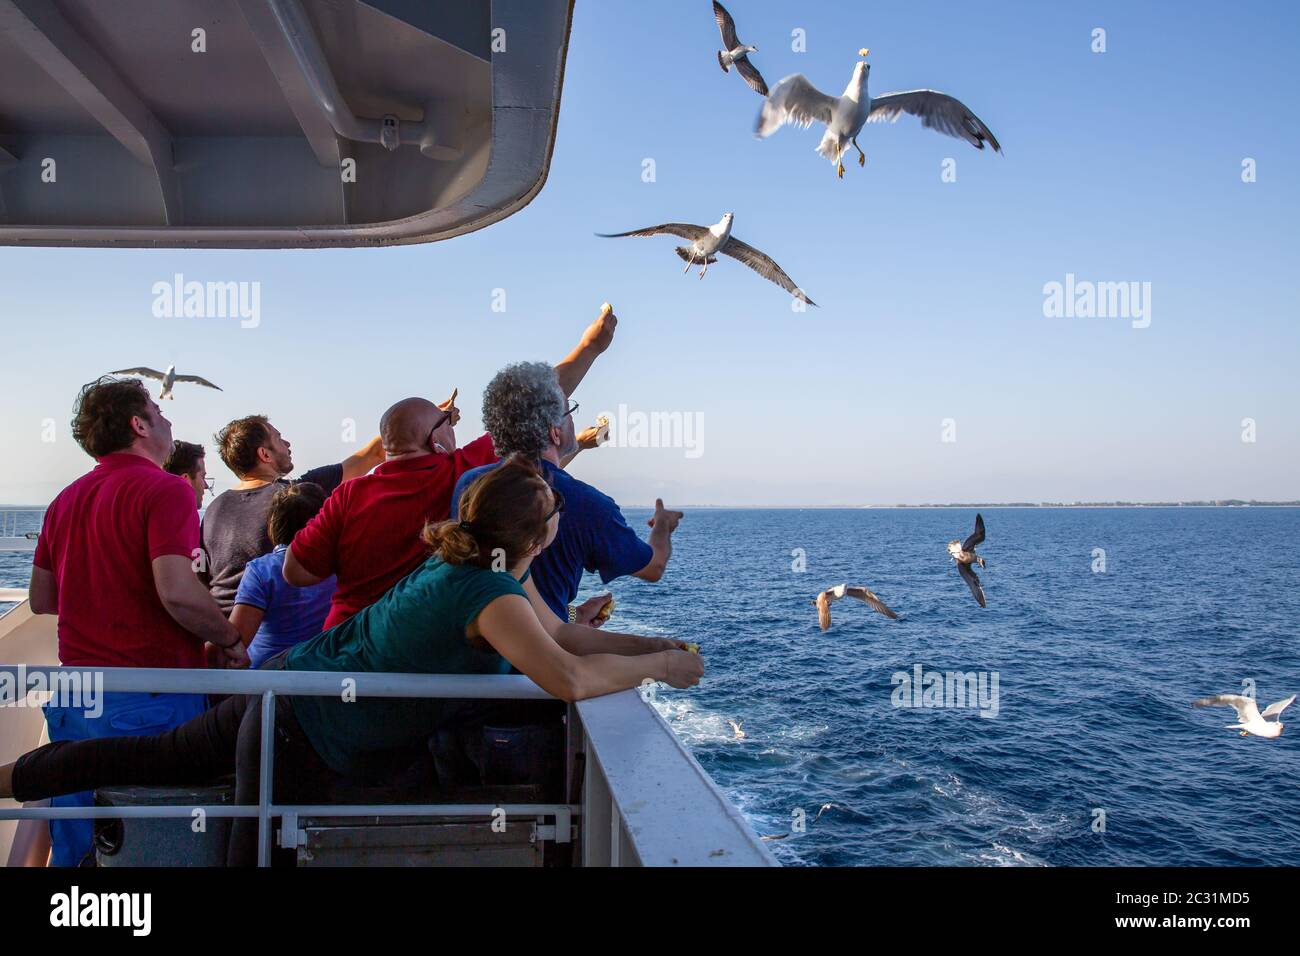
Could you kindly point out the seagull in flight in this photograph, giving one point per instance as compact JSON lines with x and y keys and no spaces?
{"x":963,"y":552}
{"x":168,"y":378}
{"x":795,"y":100}
{"x":707,"y":241}
{"x":736,"y":53}
{"x":1249,"y":720}
{"x":830,"y":595}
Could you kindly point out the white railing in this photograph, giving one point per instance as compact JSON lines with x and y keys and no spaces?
{"x":645,"y":800}
{"x":19,"y":528}
{"x":295,"y":684}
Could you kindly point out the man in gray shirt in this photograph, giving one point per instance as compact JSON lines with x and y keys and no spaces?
{"x":234,"y":525}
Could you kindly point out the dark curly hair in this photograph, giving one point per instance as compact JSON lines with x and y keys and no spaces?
{"x":291,"y":508}
{"x":101,"y":418}
{"x":184,"y":458}
{"x":239,"y":441}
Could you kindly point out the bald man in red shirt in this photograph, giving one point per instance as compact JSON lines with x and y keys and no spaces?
{"x":368,"y":533}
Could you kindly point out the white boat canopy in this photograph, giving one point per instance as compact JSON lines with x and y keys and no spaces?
{"x":273,"y":123}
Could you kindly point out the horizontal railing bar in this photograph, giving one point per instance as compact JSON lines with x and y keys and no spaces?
{"x":306,"y":810}
{"x":288,"y":683}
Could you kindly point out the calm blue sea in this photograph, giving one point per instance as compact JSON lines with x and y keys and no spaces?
{"x":1096,"y":674}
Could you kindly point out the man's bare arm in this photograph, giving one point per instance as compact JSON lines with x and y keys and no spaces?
{"x":595,"y":340}
{"x":360,"y":463}
{"x":294,"y":573}
{"x":662,"y":525}
{"x":192,"y":607}
{"x":43,"y":592}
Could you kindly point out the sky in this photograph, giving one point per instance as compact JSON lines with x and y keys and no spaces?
{"x":928,"y":373}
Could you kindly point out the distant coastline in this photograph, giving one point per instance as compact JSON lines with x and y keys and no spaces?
{"x":1223,"y":503}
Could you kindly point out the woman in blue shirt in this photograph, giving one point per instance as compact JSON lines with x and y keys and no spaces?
{"x":270,"y":614}
{"x":462,"y":612}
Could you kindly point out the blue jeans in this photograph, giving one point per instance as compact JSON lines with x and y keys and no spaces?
{"x":125,"y":715}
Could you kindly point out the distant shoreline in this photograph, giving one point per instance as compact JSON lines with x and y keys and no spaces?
{"x":1004,"y":504}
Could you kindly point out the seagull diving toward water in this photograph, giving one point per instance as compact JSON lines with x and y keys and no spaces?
{"x":963,"y":552}
{"x":795,"y":100}
{"x":168,"y":378}
{"x":707,"y":241}
{"x":737,"y":53}
{"x":825,"y":599}
{"x":1249,"y":719}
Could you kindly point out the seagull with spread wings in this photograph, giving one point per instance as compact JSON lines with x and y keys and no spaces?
{"x":1249,"y":720}
{"x":736,"y":54}
{"x":963,"y":552}
{"x":795,"y":100}
{"x":707,"y":241}
{"x":830,"y":595}
{"x":168,"y":378}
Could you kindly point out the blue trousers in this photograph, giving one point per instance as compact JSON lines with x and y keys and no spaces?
{"x":125,"y":715}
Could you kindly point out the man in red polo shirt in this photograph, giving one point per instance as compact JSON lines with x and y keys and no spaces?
{"x":114,"y":562}
{"x":368,"y":533}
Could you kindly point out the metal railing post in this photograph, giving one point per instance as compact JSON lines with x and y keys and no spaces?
{"x":264,"y":783}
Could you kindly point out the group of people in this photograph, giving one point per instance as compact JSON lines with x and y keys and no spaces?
{"x":412,"y":555}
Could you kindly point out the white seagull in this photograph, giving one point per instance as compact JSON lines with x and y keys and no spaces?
{"x":795,"y":100}
{"x":707,"y":241}
{"x":1249,"y":719}
{"x":168,"y":378}
{"x":825,"y":599}
{"x":737,"y":53}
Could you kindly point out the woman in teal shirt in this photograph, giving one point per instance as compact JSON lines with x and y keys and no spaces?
{"x":464,"y":611}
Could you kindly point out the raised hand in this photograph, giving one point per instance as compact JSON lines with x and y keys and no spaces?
{"x":600,"y":334}
{"x":663,"y":518}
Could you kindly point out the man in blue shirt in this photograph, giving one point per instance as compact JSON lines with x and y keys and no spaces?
{"x":526,"y":413}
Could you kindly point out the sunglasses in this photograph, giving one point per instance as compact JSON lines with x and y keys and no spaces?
{"x":442,"y":421}
{"x":559,"y":505}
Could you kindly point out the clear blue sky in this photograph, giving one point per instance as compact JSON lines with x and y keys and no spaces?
{"x":1122,"y":166}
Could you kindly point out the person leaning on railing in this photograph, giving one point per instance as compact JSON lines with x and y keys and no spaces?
{"x":464,"y":611}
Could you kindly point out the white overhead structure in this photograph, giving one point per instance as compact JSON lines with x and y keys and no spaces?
{"x":273,"y":123}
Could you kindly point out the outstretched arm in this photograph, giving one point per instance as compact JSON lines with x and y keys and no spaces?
{"x":371,"y":455}
{"x":595,"y":340}
{"x":662,"y":525}
{"x":512,"y":628}
{"x":581,"y":640}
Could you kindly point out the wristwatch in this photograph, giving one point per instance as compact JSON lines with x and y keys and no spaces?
{"x":573,"y":614}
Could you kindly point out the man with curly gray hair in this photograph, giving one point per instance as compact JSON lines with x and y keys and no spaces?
{"x":368,"y":533}
{"x":526,"y":413}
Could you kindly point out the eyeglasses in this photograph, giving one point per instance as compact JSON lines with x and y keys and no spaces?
{"x":442,"y":421}
{"x":573,"y":408}
{"x":208,"y":483}
{"x":559,"y":505}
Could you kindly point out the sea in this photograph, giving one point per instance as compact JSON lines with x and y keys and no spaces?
{"x":1081,"y":746}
